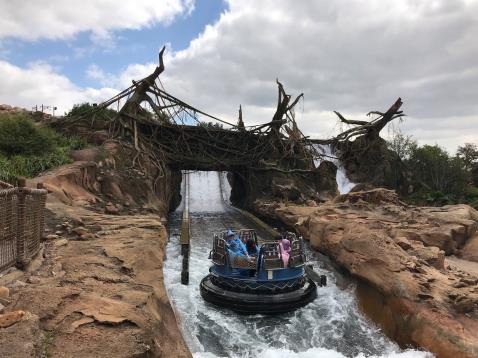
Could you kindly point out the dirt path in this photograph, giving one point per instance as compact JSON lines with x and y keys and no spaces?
{"x":98,"y":291}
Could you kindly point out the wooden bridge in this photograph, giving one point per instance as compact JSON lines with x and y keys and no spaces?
{"x":170,"y":132}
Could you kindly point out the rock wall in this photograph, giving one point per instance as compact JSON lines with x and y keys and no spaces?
{"x":400,"y":254}
{"x":300,"y":187}
{"x":105,"y":177}
{"x":371,"y":162}
{"x":99,"y":278}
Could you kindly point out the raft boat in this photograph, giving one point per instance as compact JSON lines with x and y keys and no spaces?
{"x":261,"y":285}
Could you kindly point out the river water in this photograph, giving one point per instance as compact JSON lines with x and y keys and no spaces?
{"x":331,"y":326}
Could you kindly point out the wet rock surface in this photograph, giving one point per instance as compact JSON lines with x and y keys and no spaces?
{"x":416,"y":290}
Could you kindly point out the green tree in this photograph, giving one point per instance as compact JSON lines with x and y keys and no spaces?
{"x":434,"y":167}
{"x":469,"y":154}
{"x":403,"y":145}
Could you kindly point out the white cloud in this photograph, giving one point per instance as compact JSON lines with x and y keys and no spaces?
{"x":32,"y":20}
{"x":350,"y":56}
{"x":39,"y":84}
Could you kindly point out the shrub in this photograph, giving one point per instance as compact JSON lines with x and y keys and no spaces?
{"x":28,"y":149}
{"x":20,"y":135}
{"x":85,"y":109}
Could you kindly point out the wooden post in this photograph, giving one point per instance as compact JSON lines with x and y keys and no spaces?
{"x":185,"y":234}
{"x":20,"y":234}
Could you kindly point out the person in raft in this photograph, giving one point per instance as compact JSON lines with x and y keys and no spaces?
{"x":285,"y":251}
{"x":251,"y":247}
{"x":235,"y":246}
{"x":284,"y":245}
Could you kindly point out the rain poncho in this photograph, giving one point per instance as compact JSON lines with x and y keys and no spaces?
{"x":236,"y":247}
{"x":285,"y":251}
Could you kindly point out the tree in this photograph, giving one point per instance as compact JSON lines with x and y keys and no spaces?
{"x":433,"y":166}
{"x":469,"y":154}
{"x":403,"y":145}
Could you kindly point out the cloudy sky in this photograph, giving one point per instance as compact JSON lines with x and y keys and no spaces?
{"x":347,"y":55}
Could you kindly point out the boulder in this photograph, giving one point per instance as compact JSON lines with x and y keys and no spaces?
{"x":4,"y":292}
{"x":470,"y":250}
{"x":10,"y":318}
{"x":111,"y":209}
{"x":60,"y":243}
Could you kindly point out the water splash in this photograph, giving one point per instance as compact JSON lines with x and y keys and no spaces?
{"x":343,"y":183}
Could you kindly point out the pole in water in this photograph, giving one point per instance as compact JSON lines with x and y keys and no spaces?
{"x":185,"y":270}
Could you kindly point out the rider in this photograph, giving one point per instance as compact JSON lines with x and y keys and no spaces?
{"x":235,"y":246}
{"x":251,"y":247}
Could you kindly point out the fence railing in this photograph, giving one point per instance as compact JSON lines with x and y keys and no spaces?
{"x":22,"y":221}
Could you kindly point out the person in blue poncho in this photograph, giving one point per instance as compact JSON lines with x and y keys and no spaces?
{"x":235,"y":246}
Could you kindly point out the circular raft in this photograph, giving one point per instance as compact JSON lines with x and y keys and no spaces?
{"x":258,"y":303}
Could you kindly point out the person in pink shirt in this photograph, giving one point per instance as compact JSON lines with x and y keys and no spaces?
{"x":285,"y":251}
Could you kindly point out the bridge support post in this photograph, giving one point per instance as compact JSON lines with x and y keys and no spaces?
{"x":185,"y":234}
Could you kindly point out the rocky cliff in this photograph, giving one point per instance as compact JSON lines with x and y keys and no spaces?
{"x":409,"y":261}
{"x":97,"y":287}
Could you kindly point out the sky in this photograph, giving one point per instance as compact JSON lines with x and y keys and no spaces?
{"x":353,"y":56}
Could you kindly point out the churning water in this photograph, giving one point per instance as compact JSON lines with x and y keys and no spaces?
{"x":331,"y":326}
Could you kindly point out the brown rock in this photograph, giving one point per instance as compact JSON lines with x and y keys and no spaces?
{"x":439,"y":238}
{"x":464,"y":305}
{"x":4,"y":292}
{"x":10,"y":318}
{"x":403,"y":243}
{"x":470,"y":250}
{"x":433,"y":256}
{"x":111,"y":209}
{"x":87,"y":236}
{"x":52,"y":237}
{"x":98,"y":137}
{"x":60,"y":243}
{"x":398,"y":259}
{"x":80,"y":231}
{"x":33,"y":280}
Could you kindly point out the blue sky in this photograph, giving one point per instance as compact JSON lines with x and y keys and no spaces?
{"x":72,"y":57}
{"x":229,"y":52}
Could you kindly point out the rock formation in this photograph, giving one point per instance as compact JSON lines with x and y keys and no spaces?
{"x":409,"y":282}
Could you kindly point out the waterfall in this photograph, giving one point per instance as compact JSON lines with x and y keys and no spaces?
{"x":343,"y":183}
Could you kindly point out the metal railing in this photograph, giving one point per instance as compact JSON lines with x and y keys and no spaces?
{"x":22,"y":221}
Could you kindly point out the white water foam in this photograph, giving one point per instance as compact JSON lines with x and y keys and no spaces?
{"x":343,"y":183}
{"x":322,"y":353}
{"x":331,"y":326}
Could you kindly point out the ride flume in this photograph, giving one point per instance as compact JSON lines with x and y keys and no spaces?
{"x":170,"y":132}
{"x":252,"y":278}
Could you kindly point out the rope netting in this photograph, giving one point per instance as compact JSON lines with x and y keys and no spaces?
{"x":22,"y":221}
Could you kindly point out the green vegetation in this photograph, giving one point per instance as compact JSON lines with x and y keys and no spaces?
{"x":211,"y":125}
{"x":28,"y":149}
{"x":86,"y":109}
{"x":438,"y":177}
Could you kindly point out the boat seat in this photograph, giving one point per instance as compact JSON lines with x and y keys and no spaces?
{"x":219,"y":251}
{"x":243,"y":262}
{"x":271,"y":256}
{"x":296,"y":256}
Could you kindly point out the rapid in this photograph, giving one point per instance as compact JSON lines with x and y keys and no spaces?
{"x":331,"y":326}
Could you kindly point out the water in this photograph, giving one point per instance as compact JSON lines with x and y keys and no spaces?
{"x":331,"y":326}
{"x":343,"y":183}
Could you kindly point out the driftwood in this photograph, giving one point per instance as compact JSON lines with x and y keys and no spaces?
{"x":171,"y":133}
